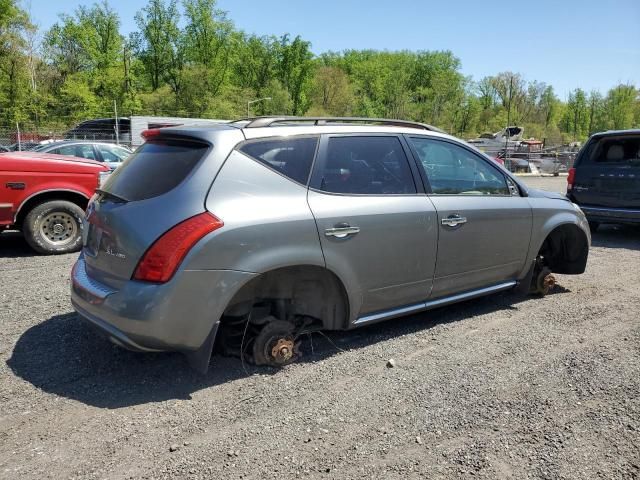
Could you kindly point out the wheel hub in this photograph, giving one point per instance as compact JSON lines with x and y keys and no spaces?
{"x":282,"y":351}
{"x":59,"y":228}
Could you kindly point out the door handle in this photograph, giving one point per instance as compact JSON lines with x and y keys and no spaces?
{"x":453,"y":220}
{"x":341,"y":231}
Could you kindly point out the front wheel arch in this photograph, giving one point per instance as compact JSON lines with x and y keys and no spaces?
{"x":565,"y":249}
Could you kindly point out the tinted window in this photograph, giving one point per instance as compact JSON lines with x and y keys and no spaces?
{"x":155,"y":168}
{"x":290,"y":156}
{"x":455,"y":170}
{"x":366,"y":165}
{"x":624,"y":149}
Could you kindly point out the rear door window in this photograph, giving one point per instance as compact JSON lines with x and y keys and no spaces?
{"x":155,"y":168}
{"x":292,"y":157}
{"x":366,"y":165}
{"x":614,"y":150}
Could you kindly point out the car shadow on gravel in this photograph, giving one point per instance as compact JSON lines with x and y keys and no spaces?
{"x":13,"y":245}
{"x":617,"y":236}
{"x":64,"y":356}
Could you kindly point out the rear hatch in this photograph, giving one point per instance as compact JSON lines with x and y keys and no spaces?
{"x":607,"y":172}
{"x":159,"y":186}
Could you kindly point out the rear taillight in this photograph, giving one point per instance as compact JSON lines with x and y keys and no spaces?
{"x":162,"y":259}
{"x":570,"y":178}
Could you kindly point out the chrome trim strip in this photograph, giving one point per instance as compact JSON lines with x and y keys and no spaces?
{"x":6,"y":205}
{"x":396,"y":312}
{"x":82,"y":281}
{"x":611,"y":209}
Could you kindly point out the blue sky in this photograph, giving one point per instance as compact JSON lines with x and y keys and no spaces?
{"x":566,"y":43}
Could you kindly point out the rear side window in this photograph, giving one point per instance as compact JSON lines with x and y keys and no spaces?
{"x":366,"y":166}
{"x":623,"y":149}
{"x":155,"y":168}
{"x":292,"y":157}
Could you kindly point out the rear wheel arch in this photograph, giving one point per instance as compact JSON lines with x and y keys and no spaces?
{"x":565,"y":249}
{"x":305,"y":290}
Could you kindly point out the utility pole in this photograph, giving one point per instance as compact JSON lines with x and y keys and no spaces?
{"x":115,"y":112}
{"x":506,"y":142}
{"x":19,"y":140}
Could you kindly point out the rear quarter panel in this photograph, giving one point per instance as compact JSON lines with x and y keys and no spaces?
{"x":267,"y":221}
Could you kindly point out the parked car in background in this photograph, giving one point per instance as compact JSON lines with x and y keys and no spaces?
{"x":254,"y":233}
{"x":45,"y":196}
{"x":605,"y":178}
{"x":108,"y":153}
{"x":22,"y":146}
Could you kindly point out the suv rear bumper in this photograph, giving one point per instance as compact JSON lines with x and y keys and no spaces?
{"x":611,"y":215}
{"x":175,"y":316}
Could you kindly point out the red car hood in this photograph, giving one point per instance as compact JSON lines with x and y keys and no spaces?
{"x":35,"y":161}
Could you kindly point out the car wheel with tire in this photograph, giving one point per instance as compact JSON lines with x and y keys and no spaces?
{"x":54,"y":227}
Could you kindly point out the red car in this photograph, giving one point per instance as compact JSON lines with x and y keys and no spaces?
{"x":45,"y":196}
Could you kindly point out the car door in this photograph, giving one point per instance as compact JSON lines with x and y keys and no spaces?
{"x":484,"y":224}
{"x":377,"y":228}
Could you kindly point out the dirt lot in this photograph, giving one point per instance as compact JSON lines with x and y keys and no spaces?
{"x":501,"y":387}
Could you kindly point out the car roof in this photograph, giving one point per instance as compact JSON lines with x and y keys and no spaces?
{"x":631,"y":131}
{"x":282,"y":126}
{"x":79,"y":142}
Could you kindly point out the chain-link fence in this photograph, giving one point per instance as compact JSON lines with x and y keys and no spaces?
{"x":22,"y":138}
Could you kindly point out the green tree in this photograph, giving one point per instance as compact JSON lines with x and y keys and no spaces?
{"x":620,"y":104}
{"x":153,"y":43}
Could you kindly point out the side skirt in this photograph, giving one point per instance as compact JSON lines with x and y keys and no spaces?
{"x":428,"y":305}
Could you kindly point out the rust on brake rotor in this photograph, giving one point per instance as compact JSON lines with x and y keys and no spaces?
{"x":283,"y":350}
{"x":549,"y":282}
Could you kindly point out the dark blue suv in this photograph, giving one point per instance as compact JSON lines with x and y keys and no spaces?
{"x":605,"y":178}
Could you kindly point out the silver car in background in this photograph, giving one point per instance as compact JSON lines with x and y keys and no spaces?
{"x":110,"y":154}
{"x":246,"y":235}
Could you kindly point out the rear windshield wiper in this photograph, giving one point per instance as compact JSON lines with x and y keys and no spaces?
{"x":112,"y":196}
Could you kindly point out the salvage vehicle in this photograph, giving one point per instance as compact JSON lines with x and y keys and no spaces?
{"x":45,"y":196}
{"x":605,"y":178}
{"x":253,"y":233}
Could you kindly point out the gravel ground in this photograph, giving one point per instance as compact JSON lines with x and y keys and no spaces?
{"x":500,"y":387}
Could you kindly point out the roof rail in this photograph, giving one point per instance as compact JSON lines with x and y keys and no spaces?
{"x":257,"y":122}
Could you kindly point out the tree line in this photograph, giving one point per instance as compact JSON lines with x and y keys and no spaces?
{"x":186,"y":58}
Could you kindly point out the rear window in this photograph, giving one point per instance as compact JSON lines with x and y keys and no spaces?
{"x":155,"y":168}
{"x":292,"y":157}
{"x":623,"y":149}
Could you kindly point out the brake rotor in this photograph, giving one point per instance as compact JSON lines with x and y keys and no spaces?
{"x":546,"y":281}
{"x":283,"y":350}
{"x":276,"y":344}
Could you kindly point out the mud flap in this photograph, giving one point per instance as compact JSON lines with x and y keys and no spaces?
{"x":524,"y":285}
{"x":199,"y":359}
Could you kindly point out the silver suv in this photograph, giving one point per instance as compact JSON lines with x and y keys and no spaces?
{"x":249,"y":234}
